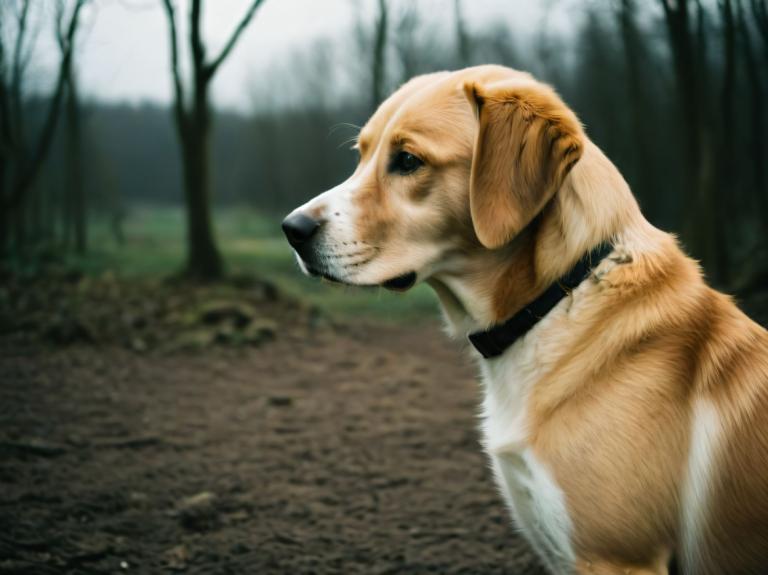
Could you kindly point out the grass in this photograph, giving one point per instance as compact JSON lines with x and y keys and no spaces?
{"x":251,"y":243}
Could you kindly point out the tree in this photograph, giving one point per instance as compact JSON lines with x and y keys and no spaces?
{"x":633,"y":60}
{"x":20,"y":160}
{"x":727,"y":137}
{"x":379,"y":63}
{"x":702,"y":233}
{"x":193,"y":126}
{"x":757,"y":99}
{"x":75,"y":208}
{"x":462,"y":37}
{"x":760,"y":15}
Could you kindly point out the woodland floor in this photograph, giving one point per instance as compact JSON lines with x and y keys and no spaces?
{"x":144,"y":431}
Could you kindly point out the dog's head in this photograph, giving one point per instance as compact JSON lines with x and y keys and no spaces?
{"x":450,"y":163}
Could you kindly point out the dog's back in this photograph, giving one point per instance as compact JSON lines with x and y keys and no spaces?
{"x":732,"y":434}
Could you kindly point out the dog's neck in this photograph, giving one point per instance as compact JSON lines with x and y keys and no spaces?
{"x":481,"y":287}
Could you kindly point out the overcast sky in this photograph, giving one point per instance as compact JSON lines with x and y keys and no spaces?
{"x":123,"y":53}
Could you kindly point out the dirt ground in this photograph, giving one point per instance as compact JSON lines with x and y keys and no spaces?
{"x":345,"y":450}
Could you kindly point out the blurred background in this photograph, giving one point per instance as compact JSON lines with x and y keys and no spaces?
{"x":104,"y":155}
{"x":159,"y":346}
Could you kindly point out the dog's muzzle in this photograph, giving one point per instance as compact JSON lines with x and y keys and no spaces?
{"x":301,"y":229}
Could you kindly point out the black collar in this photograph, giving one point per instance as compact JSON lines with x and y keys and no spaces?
{"x":495,"y":340}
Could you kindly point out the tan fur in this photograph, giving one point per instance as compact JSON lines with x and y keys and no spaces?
{"x":604,"y":409}
{"x":511,"y":195}
{"x":528,"y":123}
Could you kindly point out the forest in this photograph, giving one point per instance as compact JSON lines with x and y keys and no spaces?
{"x":672,"y":91}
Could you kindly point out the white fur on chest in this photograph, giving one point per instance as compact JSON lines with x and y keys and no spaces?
{"x":536,"y":501}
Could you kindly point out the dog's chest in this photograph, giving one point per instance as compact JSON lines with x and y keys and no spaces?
{"x":536,"y":501}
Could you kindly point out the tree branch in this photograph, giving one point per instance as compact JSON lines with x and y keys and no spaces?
{"x":198,"y":47}
{"x":760,"y":14}
{"x":214,"y":65}
{"x":177,"y":85}
{"x":5,"y":113}
{"x":19,"y":46}
{"x":17,"y":76}
{"x":60,"y":29}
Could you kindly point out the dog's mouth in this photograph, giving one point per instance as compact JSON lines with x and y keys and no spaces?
{"x":399,"y":283}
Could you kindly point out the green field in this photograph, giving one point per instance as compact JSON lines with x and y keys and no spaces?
{"x":252,"y":244}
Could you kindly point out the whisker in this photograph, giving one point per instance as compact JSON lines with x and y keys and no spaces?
{"x":340,"y":125}
{"x":344,"y":125}
{"x":351,"y":140}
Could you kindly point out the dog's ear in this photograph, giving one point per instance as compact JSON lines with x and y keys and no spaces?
{"x":527,"y":142}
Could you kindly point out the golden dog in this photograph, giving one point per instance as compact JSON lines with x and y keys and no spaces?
{"x":625,"y":403}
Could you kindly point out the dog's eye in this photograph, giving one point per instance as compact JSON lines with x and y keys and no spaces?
{"x":404,"y":163}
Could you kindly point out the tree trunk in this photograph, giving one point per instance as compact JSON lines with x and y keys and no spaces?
{"x":5,"y":145}
{"x":36,"y":230}
{"x":67,"y":217}
{"x":462,"y":38}
{"x":632,"y":59}
{"x":709,"y":230}
{"x":683,"y":61}
{"x":757,"y":141}
{"x":727,"y":176}
{"x":19,"y":220}
{"x":378,"y":68}
{"x":760,"y":16}
{"x":76,"y":201}
{"x":700,"y":230}
{"x":203,"y":259}
{"x":5,"y":221}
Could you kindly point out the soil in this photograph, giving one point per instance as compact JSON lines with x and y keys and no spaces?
{"x":343,"y":449}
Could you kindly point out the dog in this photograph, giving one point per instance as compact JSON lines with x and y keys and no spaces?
{"x":625,"y":410}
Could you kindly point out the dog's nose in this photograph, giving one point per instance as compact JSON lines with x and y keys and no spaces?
{"x":299,"y":229}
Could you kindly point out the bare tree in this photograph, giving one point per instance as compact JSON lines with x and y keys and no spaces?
{"x":20,"y":161}
{"x":379,"y":63}
{"x":193,"y":124}
{"x":702,"y":233}
{"x":757,"y":100}
{"x":760,"y":15}
{"x":6,"y":138}
{"x":633,"y":56}
{"x":405,"y":41}
{"x":462,"y":36}
{"x":726,"y":154}
{"x":75,"y":208}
